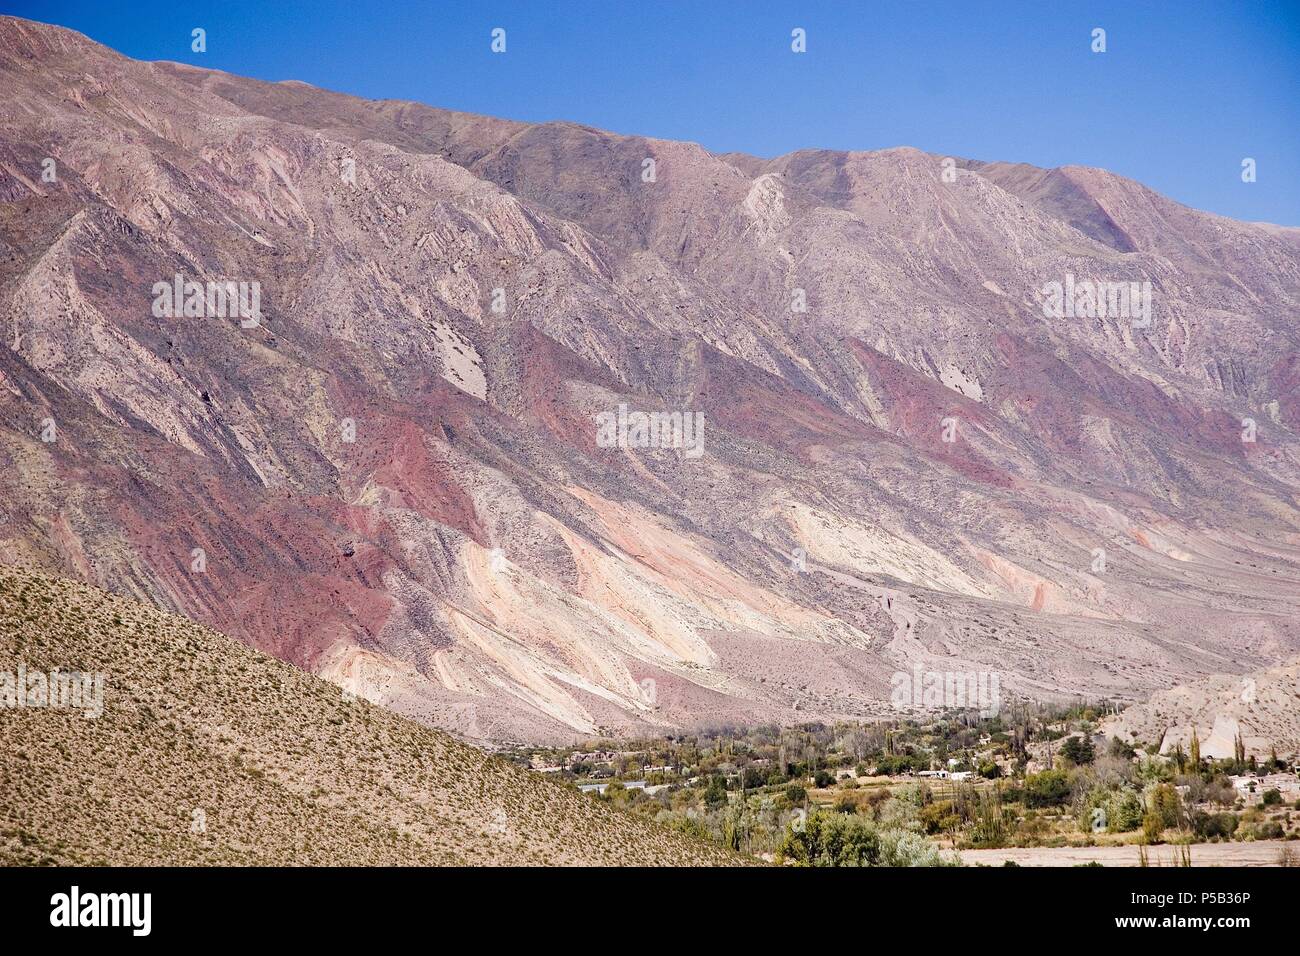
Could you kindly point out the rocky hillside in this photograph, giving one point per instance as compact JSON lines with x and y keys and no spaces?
{"x":1261,"y":707}
{"x":203,"y":751}
{"x":395,"y":476}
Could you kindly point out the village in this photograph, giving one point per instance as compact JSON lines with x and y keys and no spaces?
{"x":1035,"y":778}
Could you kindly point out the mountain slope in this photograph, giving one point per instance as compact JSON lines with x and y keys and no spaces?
{"x":398,"y":487}
{"x":209,"y":752}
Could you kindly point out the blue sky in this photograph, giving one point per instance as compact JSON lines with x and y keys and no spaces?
{"x":1184,"y":91}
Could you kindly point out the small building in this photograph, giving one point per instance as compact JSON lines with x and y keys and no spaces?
{"x":1251,"y":787}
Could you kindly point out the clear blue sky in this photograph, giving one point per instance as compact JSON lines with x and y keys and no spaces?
{"x":1184,"y":92}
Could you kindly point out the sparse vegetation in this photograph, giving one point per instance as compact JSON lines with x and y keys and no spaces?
{"x":209,"y":752}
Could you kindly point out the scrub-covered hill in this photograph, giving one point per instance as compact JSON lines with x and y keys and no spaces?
{"x":159,"y":741}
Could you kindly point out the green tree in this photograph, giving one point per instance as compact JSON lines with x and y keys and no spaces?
{"x":1078,"y":750}
{"x":1051,"y":788}
{"x":1125,"y":813}
{"x":1166,"y":805}
{"x":830,"y":840}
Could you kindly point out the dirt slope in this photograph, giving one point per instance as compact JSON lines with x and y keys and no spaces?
{"x":208,"y":752}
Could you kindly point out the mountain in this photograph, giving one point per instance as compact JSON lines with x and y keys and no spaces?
{"x":196,"y":749}
{"x":407,"y":474}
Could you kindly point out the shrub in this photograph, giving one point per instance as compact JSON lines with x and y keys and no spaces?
{"x":1122,"y":808}
{"x":837,"y":840}
{"x":1211,"y":826}
{"x":846,"y":803}
{"x":1269,"y":830}
{"x":1152,"y":827}
{"x":938,"y":817}
{"x":1051,"y":788}
{"x":904,"y":848}
{"x":1120,"y":749}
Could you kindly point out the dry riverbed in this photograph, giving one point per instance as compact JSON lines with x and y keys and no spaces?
{"x":1256,"y":853}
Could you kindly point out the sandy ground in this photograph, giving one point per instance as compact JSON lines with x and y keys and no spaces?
{"x":1258,"y":853}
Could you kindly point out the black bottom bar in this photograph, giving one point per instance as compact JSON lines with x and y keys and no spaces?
{"x":532,"y":906}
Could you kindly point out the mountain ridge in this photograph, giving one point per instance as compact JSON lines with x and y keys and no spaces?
{"x":475,"y":550}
